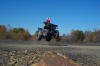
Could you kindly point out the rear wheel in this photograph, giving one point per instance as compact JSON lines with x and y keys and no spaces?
{"x":48,"y":37}
{"x":57,"y":35}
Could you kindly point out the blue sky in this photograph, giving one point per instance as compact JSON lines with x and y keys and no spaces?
{"x":68,"y":14}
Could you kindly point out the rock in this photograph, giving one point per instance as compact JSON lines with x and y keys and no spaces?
{"x":30,"y":62}
{"x":12,"y":63}
{"x":26,"y":51}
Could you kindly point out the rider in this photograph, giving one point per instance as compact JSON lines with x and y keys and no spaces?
{"x":47,"y":22}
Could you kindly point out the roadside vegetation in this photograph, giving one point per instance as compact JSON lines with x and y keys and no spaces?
{"x":76,"y":36}
{"x":14,"y":33}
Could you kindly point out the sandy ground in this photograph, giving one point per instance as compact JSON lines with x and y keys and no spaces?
{"x":84,"y":54}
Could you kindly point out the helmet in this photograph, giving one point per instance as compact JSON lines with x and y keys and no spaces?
{"x":48,"y":20}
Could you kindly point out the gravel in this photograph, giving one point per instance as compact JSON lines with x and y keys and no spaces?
{"x":13,"y":54}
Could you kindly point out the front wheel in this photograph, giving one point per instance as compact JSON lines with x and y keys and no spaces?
{"x":39,"y":35}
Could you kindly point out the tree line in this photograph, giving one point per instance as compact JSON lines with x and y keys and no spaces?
{"x":76,"y":36}
{"x":14,"y":33}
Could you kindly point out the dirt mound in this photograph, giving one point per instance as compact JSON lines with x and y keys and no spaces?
{"x":55,"y":60}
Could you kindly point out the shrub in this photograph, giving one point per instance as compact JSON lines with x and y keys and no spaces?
{"x":27,"y":36}
{"x":19,"y":36}
{"x":2,"y":32}
{"x":93,"y":37}
{"x":77,"y":36}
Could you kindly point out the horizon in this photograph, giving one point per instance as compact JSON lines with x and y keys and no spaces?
{"x":67,"y":14}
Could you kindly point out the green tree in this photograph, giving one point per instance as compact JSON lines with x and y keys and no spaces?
{"x":77,"y":36}
{"x":16,"y":33}
{"x":17,"y":30}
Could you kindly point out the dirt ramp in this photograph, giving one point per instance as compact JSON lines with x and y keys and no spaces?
{"x":55,"y":60}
